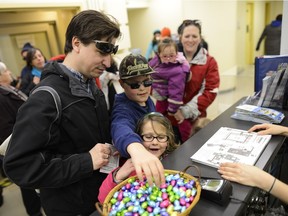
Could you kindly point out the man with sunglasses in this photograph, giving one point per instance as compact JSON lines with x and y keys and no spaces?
{"x":129,"y":107}
{"x":62,"y":155}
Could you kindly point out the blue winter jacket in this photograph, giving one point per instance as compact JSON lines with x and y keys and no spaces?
{"x":125,"y":115}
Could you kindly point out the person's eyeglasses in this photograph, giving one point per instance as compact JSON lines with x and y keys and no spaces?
{"x":168,"y":57}
{"x":137,"y":85}
{"x":106,"y":47}
{"x":150,"y":138}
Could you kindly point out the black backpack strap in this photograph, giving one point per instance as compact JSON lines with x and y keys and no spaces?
{"x":55,"y":96}
{"x":57,"y":101}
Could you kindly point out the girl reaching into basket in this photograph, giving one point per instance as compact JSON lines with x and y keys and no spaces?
{"x":158,"y":138}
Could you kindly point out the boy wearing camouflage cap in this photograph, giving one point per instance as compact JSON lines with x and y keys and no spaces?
{"x":129,"y":107}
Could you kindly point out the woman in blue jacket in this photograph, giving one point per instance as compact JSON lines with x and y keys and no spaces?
{"x":153,"y":45}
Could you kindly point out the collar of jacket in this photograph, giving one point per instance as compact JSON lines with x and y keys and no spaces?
{"x":200,"y":58}
{"x":75,"y":85}
{"x":5,"y":90}
{"x":78,"y":88}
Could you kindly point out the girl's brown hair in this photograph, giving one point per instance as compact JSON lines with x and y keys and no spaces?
{"x":161,"y":119}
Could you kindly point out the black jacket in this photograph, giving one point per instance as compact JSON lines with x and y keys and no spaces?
{"x":27,"y":84}
{"x":53,"y":155}
{"x":272,"y":33}
{"x":9,"y":105}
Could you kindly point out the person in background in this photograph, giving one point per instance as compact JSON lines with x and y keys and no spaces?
{"x":157,"y":137}
{"x":252,"y":175}
{"x":26,"y":69}
{"x":204,"y":43}
{"x":203,"y":87}
{"x":107,"y":79}
{"x":153,"y":45}
{"x":129,"y":106}
{"x":165,"y":33}
{"x":172,"y":71}
{"x":17,"y":81}
{"x":272,"y":33}
{"x":10,"y":101}
{"x":35,"y":63}
{"x":62,"y":156}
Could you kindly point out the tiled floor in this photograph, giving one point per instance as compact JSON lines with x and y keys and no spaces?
{"x":244,"y":85}
{"x":13,"y":205}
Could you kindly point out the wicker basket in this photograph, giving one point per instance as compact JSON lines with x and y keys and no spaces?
{"x":105,"y":208}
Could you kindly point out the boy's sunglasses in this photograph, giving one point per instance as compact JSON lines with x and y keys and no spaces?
{"x":106,"y":47}
{"x":137,"y":85}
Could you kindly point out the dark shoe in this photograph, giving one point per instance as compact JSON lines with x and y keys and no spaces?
{"x":1,"y":196}
{"x":37,"y":214}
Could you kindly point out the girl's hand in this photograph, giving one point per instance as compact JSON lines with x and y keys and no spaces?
{"x":125,"y":171}
{"x":179,"y":116}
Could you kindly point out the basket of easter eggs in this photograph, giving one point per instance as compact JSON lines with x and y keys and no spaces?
{"x":133,"y":197}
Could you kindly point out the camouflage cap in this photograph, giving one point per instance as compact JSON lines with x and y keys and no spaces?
{"x":134,"y":65}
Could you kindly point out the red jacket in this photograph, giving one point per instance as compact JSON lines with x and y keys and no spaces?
{"x":107,"y":185}
{"x":204,"y":85}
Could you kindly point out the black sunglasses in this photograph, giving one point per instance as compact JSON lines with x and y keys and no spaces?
{"x":137,"y":85}
{"x":106,"y":47}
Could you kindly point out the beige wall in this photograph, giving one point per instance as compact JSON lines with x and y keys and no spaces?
{"x":284,"y":33}
{"x":46,"y":28}
{"x":159,"y":14}
{"x":223,"y":24}
{"x":218,"y":28}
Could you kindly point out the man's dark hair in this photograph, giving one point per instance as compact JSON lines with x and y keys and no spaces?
{"x":91,"y":25}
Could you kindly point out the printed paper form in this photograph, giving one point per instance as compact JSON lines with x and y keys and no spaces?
{"x":231,"y":145}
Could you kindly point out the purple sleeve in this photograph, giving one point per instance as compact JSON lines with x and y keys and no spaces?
{"x":176,"y":88}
